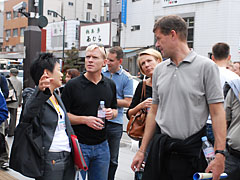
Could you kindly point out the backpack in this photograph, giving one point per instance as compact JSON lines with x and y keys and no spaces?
{"x":12,"y":96}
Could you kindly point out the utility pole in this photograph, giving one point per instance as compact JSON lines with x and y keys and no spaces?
{"x":32,"y":41}
{"x":64,"y":20}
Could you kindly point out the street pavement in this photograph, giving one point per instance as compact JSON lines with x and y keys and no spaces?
{"x":128,"y":149}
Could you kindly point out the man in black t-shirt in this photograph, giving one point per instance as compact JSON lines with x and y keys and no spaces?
{"x":81,"y":97}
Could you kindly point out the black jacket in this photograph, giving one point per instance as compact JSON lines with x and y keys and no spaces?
{"x":39,"y":106}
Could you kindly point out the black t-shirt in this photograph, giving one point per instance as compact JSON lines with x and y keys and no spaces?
{"x":137,"y":96}
{"x":82,"y":97}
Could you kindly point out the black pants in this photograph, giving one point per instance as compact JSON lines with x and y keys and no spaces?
{"x":59,"y":166}
{"x":181,"y":167}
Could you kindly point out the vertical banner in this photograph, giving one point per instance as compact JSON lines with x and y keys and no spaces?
{"x":124,"y":11}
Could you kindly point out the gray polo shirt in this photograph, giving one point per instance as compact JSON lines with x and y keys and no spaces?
{"x":183,"y":93}
{"x":232,"y":108}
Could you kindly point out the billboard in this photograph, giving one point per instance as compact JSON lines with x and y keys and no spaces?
{"x":167,"y":3}
{"x":95,"y":33}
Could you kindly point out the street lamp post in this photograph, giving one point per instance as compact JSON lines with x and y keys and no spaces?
{"x":62,"y":18}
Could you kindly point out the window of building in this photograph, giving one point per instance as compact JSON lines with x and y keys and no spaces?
{"x":7,"y":49}
{"x":135,"y":27}
{"x":190,"y":25}
{"x":15,"y":14}
{"x":15,"y":32}
{"x":89,"y":6}
{"x":14,"y":49}
{"x":118,"y":1}
{"x":88,"y":16}
{"x":70,"y":3}
{"x":8,"y":15}
{"x":8,"y":33}
{"x":135,"y":0}
{"x":22,"y":31}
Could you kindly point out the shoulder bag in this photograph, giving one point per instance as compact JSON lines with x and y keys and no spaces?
{"x":27,"y":153}
{"x":12,"y":96}
{"x":136,"y":124}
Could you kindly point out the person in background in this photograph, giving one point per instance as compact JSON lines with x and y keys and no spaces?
{"x":71,"y":73}
{"x":81,"y":97}
{"x":147,"y":61}
{"x":4,"y":86}
{"x":232,"y":108}
{"x":47,"y":107}
{"x":236,"y":68}
{"x":3,"y":108}
{"x":185,"y":88}
{"x":124,"y":85}
{"x":13,"y":106}
{"x":221,"y":56}
{"x":3,"y":117}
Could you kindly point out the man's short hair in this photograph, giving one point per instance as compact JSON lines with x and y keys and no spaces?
{"x":14,"y":71}
{"x":116,"y":50}
{"x":101,"y":48}
{"x":172,"y":22}
{"x":43,"y":61}
{"x":221,"y":51}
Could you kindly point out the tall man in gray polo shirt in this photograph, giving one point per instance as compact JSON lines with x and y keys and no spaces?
{"x":185,"y":88}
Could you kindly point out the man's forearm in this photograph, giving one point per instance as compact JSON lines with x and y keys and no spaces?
{"x":124,"y":102}
{"x":219,"y":125}
{"x":75,"y":120}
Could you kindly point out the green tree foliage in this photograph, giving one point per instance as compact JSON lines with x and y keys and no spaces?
{"x":72,"y":60}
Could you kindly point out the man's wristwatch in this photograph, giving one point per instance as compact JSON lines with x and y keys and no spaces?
{"x":221,"y":152}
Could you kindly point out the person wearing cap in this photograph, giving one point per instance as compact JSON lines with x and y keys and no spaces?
{"x":81,"y":97}
{"x":13,"y":106}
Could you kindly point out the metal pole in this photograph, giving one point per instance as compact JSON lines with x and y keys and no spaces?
{"x":63,"y":38}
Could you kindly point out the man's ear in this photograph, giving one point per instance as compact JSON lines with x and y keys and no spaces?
{"x":229,"y":57}
{"x":120,"y":61}
{"x":213,"y":58}
{"x":173,"y":34}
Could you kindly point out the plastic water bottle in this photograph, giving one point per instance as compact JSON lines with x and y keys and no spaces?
{"x":208,"y":149}
{"x":101,"y":112}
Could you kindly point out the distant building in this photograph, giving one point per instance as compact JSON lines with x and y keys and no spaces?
{"x":14,"y":26}
{"x":209,"y":21}
{"x":73,"y":10}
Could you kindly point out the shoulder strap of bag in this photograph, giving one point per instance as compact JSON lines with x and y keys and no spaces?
{"x":143,"y":94}
{"x":10,"y":83}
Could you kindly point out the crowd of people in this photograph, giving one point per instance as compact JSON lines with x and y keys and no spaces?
{"x":187,"y":96}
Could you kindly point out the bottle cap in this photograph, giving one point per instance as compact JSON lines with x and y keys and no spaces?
{"x":204,"y":138}
{"x":102,"y":102}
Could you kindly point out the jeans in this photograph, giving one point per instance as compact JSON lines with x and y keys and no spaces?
{"x":97,"y":158}
{"x":210,"y":135}
{"x":114,"y":135}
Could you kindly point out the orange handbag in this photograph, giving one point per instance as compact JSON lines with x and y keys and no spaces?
{"x":136,"y":124}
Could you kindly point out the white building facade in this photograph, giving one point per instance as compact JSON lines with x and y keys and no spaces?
{"x":54,"y":36}
{"x":210,"y":21}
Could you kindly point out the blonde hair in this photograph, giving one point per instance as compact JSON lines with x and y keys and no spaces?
{"x":101,"y":49}
{"x":151,"y":52}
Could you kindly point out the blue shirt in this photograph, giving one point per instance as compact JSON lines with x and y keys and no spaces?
{"x":3,"y":109}
{"x":124,"y":85}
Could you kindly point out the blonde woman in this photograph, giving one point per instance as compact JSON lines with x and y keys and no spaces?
{"x":147,"y":61}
